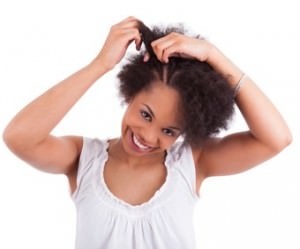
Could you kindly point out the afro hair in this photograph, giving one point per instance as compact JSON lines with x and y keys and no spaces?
{"x":207,"y":100}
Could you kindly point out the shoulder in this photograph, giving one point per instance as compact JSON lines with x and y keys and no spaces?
{"x":189,"y":159}
{"x":89,"y":149}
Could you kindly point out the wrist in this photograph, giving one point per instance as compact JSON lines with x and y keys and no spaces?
{"x":224,"y":66}
{"x":213,"y":54}
{"x":98,"y":67}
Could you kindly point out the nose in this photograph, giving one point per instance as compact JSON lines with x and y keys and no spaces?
{"x":150,"y":136}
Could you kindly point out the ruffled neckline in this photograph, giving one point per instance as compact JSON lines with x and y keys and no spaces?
{"x":158,"y":195}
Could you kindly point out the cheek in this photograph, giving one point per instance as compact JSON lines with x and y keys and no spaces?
{"x":130,"y":120}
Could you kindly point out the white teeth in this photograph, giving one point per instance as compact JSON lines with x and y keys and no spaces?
{"x":141,"y":146}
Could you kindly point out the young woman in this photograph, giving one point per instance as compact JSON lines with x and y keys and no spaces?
{"x":139,"y":190}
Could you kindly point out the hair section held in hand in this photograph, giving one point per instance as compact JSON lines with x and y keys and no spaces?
{"x":206,"y":98}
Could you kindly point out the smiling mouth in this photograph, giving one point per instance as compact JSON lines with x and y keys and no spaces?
{"x":140,"y":146}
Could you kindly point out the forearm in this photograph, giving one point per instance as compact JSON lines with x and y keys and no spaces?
{"x":34,"y":123}
{"x":263,"y":119}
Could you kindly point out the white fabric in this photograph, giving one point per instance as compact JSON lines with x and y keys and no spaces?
{"x":107,"y":222}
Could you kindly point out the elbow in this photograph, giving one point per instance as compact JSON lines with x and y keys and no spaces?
{"x":282,"y":141}
{"x":12,"y":140}
{"x":8,"y":138}
{"x":289,"y":139}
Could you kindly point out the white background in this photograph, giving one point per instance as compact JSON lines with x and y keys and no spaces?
{"x":42,"y":42}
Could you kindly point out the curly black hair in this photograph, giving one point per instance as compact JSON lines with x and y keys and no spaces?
{"x":207,"y":100}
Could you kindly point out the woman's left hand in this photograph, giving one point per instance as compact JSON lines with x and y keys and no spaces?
{"x":178,"y":45}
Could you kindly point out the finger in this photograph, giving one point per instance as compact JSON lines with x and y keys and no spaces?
{"x":126,"y":24}
{"x":159,"y":48}
{"x":163,"y":39}
{"x":130,"y":27}
{"x":130,"y":22}
{"x":129,"y":19}
{"x":130,"y":35}
{"x":146,"y":57}
{"x":171,"y":51}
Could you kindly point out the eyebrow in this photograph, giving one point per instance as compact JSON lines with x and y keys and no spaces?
{"x":152,"y":114}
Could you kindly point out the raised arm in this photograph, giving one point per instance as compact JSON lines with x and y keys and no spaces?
{"x":268,"y":133}
{"x":28,"y":134}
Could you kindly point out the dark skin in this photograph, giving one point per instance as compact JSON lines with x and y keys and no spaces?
{"x":132,"y":174}
{"x":28,"y":135}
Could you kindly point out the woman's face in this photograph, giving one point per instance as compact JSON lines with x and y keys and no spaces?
{"x":151,"y":122}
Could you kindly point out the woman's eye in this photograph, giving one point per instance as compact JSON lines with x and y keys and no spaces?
{"x":146,"y":115}
{"x":169,"y":132}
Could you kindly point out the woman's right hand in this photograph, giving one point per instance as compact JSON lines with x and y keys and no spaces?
{"x":119,"y":38}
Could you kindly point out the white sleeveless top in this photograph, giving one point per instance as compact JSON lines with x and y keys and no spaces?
{"x":106,"y":222}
